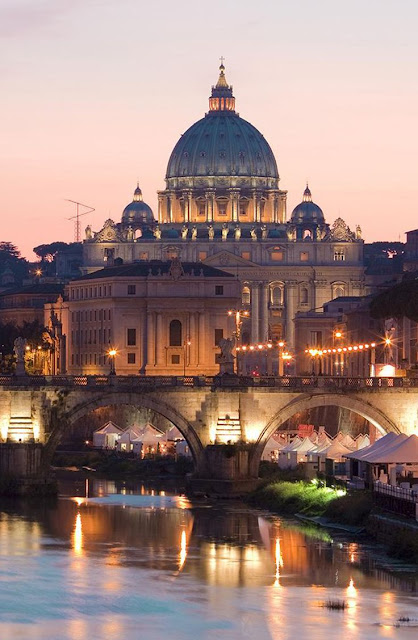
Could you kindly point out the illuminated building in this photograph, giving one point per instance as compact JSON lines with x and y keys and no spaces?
{"x":223,"y":207}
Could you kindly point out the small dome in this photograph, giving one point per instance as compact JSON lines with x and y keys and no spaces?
{"x":137,"y":213}
{"x":307,"y":211}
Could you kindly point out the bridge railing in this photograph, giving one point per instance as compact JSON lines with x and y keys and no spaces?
{"x":227,"y":381}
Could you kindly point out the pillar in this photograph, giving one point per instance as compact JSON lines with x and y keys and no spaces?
{"x":210,"y":196}
{"x":202,"y":340}
{"x":193,"y":340}
{"x":290,"y":313}
{"x":264,"y":319}
{"x":159,"y":339}
{"x":254,"y":311}
{"x":234,"y":199}
{"x":150,"y":339}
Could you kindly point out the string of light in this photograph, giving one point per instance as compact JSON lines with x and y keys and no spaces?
{"x":356,"y":348}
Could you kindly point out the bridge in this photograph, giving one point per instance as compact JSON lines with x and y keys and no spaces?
{"x":226,"y":420}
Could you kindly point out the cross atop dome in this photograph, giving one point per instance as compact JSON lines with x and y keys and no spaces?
{"x":307,"y":195}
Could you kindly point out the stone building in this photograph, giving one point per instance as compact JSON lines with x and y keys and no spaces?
{"x":223,"y":207}
{"x":156,"y":318}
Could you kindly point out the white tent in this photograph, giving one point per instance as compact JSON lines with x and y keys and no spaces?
{"x":348,"y":441}
{"x":335,"y":451}
{"x":271,"y":450}
{"x":403,"y":451}
{"x":183,"y":449}
{"x":126,"y":438}
{"x":173,"y":434}
{"x":107,"y":436}
{"x":362,"y":441}
{"x":292,"y":454}
{"x":376,"y":446}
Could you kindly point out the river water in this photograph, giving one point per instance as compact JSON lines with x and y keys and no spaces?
{"x":136,"y":563}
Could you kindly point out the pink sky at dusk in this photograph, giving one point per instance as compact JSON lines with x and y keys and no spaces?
{"x":95,"y":93}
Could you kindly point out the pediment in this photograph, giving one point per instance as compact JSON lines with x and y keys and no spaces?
{"x":228,"y":259}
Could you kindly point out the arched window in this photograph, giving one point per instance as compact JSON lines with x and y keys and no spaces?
{"x":304,"y":295}
{"x":277,"y":295}
{"x":338,"y":291}
{"x":175,"y":333}
{"x":246,"y":295}
{"x":307,"y":234}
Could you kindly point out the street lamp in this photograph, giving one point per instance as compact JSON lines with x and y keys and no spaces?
{"x":281,"y":359}
{"x":112,"y":356}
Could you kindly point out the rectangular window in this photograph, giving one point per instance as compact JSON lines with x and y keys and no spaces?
{"x":316,"y":339}
{"x":219,"y":334}
{"x":203,"y":255}
{"x":131,"y":289}
{"x":276,"y":256}
{"x":131,"y":358}
{"x":131,"y":337}
{"x":144,"y":255}
{"x":339,"y":255}
{"x":175,"y":359}
{"x":219,"y":290}
{"x":246,"y":255}
{"x":304,"y":256}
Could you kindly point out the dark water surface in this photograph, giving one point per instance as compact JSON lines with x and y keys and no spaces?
{"x":136,"y":563}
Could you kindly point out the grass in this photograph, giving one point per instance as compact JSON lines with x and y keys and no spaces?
{"x":335,"y":605}
{"x":294,"y":497}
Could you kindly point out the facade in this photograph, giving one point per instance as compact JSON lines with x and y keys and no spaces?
{"x":157,"y":318}
{"x":26,"y":304}
{"x":223,"y":207}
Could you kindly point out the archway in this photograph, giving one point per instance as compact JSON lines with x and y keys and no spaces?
{"x":79,"y":409}
{"x":301,"y":403}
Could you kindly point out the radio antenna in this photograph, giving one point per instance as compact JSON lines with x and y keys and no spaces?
{"x":76,"y":218}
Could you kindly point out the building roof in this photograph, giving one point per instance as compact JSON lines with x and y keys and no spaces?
{"x":307,"y":211}
{"x":42,"y":289}
{"x":222,"y":143}
{"x":137,"y":212}
{"x":155,"y":268}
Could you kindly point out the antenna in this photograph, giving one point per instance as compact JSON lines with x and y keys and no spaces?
{"x":77,"y":217}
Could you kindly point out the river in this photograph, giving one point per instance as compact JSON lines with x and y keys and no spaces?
{"x":130,"y":562}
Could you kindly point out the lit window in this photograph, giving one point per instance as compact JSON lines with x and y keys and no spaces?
{"x":246,"y":255}
{"x":276,"y":256}
{"x":246,"y":295}
{"x":304,"y":256}
{"x":203,"y":255}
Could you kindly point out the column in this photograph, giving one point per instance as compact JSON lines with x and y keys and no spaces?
{"x":234,"y":199}
{"x":209,"y":195}
{"x":254,"y":312}
{"x":187,"y":205}
{"x":150,"y":339}
{"x":159,"y":339}
{"x":264,"y":319}
{"x":202,"y":340}
{"x":193,"y":349}
{"x":290,"y":313}
{"x":254,"y":206}
{"x":160,"y":208}
{"x":170,"y":207}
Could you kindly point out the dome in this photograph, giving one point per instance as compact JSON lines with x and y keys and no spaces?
{"x":307,"y":211}
{"x":222,"y":145}
{"x":137,"y":212}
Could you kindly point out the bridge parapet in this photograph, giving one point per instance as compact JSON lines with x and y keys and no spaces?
{"x":148,"y":383}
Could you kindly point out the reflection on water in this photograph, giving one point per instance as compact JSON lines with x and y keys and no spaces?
{"x":115,"y":560}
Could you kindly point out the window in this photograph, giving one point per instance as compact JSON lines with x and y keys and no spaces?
{"x":175,"y":359}
{"x":219,"y":290}
{"x":109,"y":255}
{"x":246,"y":255}
{"x":131,"y":358}
{"x":277,"y":295}
{"x":246,"y":295}
{"x":339,"y":255}
{"x":304,"y":295}
{"x":338,"y":291}
{"x":144,"y":255}
{"x":131,"y":289}
{"x":175,"y":334}
{"x":202,"y":255}
{"x":276,"y":256}
{"x":131,"y":337}
{"x":304,"y":256}
{"x":219,"y":334}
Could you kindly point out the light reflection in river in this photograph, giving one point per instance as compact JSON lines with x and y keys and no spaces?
{"x":152,"y":567}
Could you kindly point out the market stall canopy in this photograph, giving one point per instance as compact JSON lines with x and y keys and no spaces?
{"x":376,"y":446}
{"x":404,"y":451}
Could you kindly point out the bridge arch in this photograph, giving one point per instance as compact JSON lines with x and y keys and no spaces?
{"x":76,"y":410}
{"x":305,"y":401}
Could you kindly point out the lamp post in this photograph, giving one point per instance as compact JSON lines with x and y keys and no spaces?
{"x":112,"y":356}
{"x":281,"y":360}
{"x":238,"y":315}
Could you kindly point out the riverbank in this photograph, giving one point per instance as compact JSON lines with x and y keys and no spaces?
{"x":328,"y":505}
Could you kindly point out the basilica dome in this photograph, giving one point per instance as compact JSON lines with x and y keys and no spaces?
{"x":222,"y":147}
{"x":307,"y":211}
{"x":137,"y":213}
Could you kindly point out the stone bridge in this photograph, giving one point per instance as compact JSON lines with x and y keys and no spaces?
{"x":211,"y":413}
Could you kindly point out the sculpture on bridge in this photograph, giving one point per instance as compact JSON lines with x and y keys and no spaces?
{"x":226,"y":359}
{"x":19,"y":348}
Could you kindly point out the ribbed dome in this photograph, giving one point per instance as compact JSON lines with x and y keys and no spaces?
{"x":222,"y":144}
{"x":307,"y":211}
{"x":137,"y":212}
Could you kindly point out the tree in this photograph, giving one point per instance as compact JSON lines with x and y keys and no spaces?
{"x":47,"y":252}
{"x":397,"y":302}
{"x":10,"y":258}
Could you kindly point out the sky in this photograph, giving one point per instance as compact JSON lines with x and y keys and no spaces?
{"x":95,"y":94}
